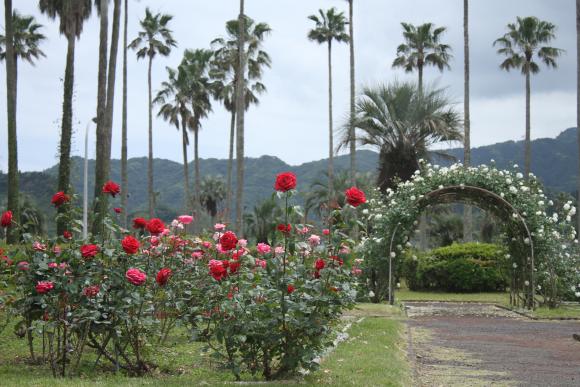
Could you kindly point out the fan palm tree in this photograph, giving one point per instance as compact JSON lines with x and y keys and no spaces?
{"x":422,"y":48}
{"x":21,"y":41}
{"x":174,"y":99}
{"x":212,"y":193}
{"x":201,"y":89}
{"x":225,"y":70}
{"x":72,"y":14}
{"x":402,"y":122}
{"x":154,"y":39}
{"x":467,"y":213}
{"x":525,"y":39}
{"x":329,"y":27}
{"x":261,"y":222}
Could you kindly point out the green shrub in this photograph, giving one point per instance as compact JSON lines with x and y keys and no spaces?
{"x":469,"y":267}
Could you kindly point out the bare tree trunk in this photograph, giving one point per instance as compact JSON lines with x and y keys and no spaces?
{"x":330,"y":132}
{"x":150,"y":155}
{"x":528,"y":142}
{"x":197,"y":204}
{"x":124,"y":173}
{"x":100,"y":174}
{"x":578,"y":100}
{"x":467,"y":210}
{"x":240,"y":110}
{"x":230,"y":166}
{"x":11,"y":85}
{"x":420,"y":72}
{"x":66,"y":130}
{"x":352,"y":133}
{"x":186,"y":199}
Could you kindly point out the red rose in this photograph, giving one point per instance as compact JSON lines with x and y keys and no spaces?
{"x":6,"y":220}
{"x":91,"y":291}
{"x":67,"y":234}
{"x":163,"y":276}
{"x":89,"y":251}
{"x":284,"y":228}
{"x":326,"y":231}
{"x":111,"y":188}
{"x":234,"y":266}
{"x":285,"y":182}
{"x":136,"y":276}
{"x":217,"y":269}
{"x":355,"y":197}
{"x":228,"y":241}
{"x":337,"y":260}
{"x":291,"y":289}
{"x":319,"y":264}
{"x":60,"y":198}
{"x":139,"y":223}
{"x":43,"y":287}
{"x":6,"y":260}
{"x":155,"y":226}
{"x":130,"y":244}
{"x":118,"y":210}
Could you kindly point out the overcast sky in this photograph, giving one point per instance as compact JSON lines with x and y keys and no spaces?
{"x":291,"y":120}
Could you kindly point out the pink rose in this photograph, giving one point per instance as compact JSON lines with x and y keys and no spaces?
{"x":263,"y":248}
{"x":219,"y":227}
{"x":185,"y":219}
{"x":314,"y":240}
{"x":136,"y":276}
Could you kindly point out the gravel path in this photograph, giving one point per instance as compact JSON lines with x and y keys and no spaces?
{"x":466,"y":344}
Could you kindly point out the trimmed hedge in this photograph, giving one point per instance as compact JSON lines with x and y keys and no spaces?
{"x":468,"y":267}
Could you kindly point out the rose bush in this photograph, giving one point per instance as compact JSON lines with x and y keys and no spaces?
{"x":262,"y":309}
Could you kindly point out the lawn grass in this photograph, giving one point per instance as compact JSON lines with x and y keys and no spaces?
{"x":410,"y":295}
{"x":373,"y":355}
{"x":563,"y":311}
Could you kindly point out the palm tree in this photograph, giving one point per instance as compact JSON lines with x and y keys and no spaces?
{"x":422,"y":48}
{"x":21,"y":41}
{"x":261,"y":222}
{"x":72,"y":15}
{"x":467,"y":213}
{"x":124,"y":173}
{"x":402,"y":122}
{"x":352,"y":93}
{"x":225,"y":69}
{"x":12,"y":205}
{"x":174,"y":99}
{"x":201,"y":88}
{"x":524,"y":40}
{"x":240,"y":115}
{"x":154,"y":39}
{"x":106,"y":98}
{"x":212,"y":193}
{"x":329,"y":27}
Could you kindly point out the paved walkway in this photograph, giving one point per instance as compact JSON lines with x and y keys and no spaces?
{"x":460,"y":344}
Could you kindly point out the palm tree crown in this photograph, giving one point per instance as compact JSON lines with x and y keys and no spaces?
{"x":155,"y":37}
{"x":422,"y":48}
{"x":330,"y":25}
{"x":26,"y":39}
{"x":402,"y":122}
{"x":71,"y":13}
{"x":524,"y":39}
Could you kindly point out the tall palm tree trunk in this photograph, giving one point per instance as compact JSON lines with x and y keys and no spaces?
{"x":11,"y":82}
{"x":112,"y":69}
{"x":100,"y":174}
{"x":330,"y":134}
{"x":66,"y":130}
{"x":467,"y":213}
{"x":150,"y":159}
{"x":230,"y":165}
{"x":578,"y":99}
{"x":186,"y":199}
{"x":196,"y":205}
{"x":528,"y":143}
{"x":240,"y":123}
{"x":352,"y":97}
{"x":420,"y":73}
{"x":124,"y":174}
